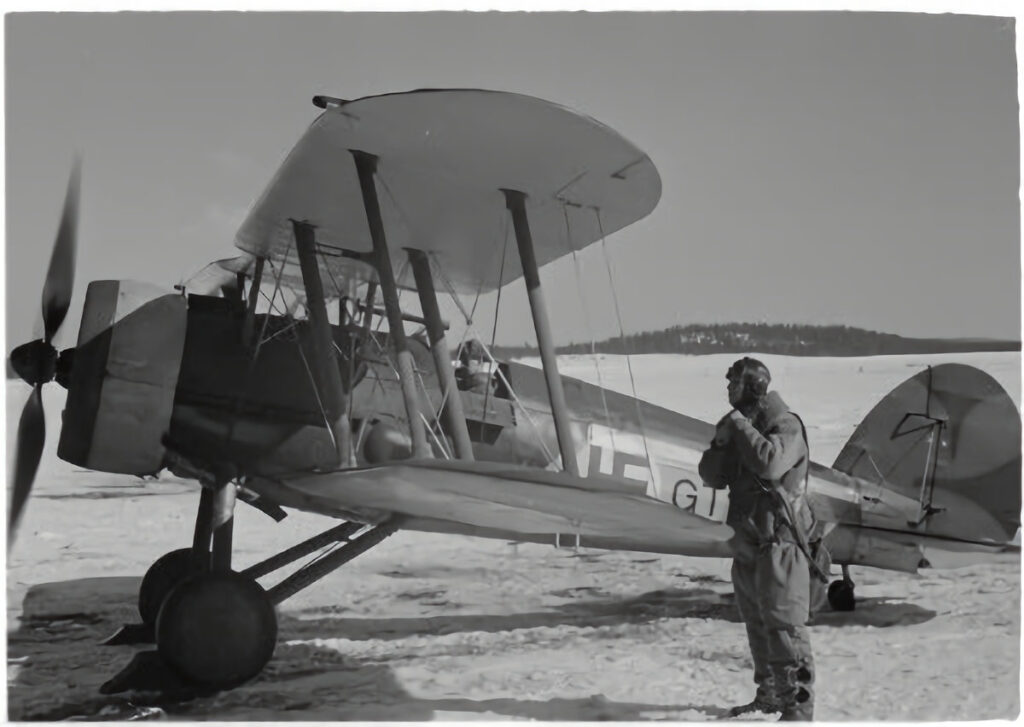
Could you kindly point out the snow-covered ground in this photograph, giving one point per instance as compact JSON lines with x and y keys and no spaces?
{"x":437,"y":627}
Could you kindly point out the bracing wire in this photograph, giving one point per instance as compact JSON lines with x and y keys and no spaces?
{"x":437,"y":273}
{"x":379,"y":177}
{"x":326,"y":265}
{"x":426,"y":395}
{"x":497,"y":308}
{"x":467,"y":316}
{"x":420,"y":383}
{"x":586,"y":322}
{"x":286,"y":329}
{"x":292,"y":325}
{"x":433,"y":435}
{"x":405,"y":221}
{"x":401,"y":272}
{"x":526,"y":412}
{"x":273,"y":298}
{"x":319,"y":401}
{"x":501,"y":282}
{"x":476,"y":302}
{"x":450,"y":289}
{"x":272,"y":304}
{"x":378,"y":384}
{"x":622,"y":337}
{"x":262,"y":337}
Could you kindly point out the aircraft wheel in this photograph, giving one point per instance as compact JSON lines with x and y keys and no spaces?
{"x":218,"y":629}
{"x":168,"y":571}
{"x":840,"y":596}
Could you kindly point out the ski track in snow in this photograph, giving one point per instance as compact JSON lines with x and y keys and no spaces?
{"x":428,"y":626}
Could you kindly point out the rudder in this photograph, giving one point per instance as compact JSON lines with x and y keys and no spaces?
{"x":950,"y":437}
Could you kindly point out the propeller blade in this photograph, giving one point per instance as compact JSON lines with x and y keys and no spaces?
{"x":28,"y":452}
{"x":60,"y":276}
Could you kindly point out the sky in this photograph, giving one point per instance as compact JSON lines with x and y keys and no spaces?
{"x":825,"y":168}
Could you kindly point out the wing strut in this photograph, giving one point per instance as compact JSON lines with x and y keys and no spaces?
{"x":516,"y":203}
{"x":366,"y":167}
{"x":327,"y":373}
{"x":249,"y":326}
{"x":454,"y":417}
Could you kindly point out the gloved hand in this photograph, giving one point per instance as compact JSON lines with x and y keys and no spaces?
{"x":735,"y":416}
{"x":723,"y":431}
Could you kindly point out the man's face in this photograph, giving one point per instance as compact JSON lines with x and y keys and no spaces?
{"x":735,"y":389}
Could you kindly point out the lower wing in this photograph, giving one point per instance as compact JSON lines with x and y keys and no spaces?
{"x":503,"y":501}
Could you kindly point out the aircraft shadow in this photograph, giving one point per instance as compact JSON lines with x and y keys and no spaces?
{"x":348,"y":689}
{"x":56,"y":664}
{"x":371,"y":692}
{"x":590,"y":709}
{"x":661,"y":604}
{"x":877,"y":612}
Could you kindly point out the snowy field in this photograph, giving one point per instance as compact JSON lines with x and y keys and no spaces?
{"x":446,"y":628}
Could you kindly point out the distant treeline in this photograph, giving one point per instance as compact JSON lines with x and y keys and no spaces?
{"x":785,"y":339}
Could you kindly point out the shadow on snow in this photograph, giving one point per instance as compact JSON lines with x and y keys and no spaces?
{"x":56,"y":664}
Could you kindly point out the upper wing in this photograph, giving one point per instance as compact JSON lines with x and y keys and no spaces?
{"x":503,"y":501}
{"x":444,"y":157}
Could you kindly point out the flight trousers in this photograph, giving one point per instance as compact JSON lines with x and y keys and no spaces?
{"x":772,"y":587}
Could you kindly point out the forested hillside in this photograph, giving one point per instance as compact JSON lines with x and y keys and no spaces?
{"x":785,"y":339}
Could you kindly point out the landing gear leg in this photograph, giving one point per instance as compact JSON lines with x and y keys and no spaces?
{"x":174,"y":567}
{"x":213,"y":628}
{"x":168,"y":571}
{"x":222,"y":520}
{"x":204,"y":525}
{"x":214,"y":520}
{"x":840,"y":593}
{"x":217,"y":628}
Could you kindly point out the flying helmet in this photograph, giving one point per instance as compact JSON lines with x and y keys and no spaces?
{"x":753,"y":375}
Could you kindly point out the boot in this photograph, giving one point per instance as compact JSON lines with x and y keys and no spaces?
{"x":797,"y":713}
{"x":799,"y":706}
{"x":764,"y":702}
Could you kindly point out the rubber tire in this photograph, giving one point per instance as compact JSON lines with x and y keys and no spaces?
{"x":168,"y":571}
{"x":841,"y":596}
{"x":217,"y":629}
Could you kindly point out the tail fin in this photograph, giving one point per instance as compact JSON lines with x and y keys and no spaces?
{"x":950,"y":437}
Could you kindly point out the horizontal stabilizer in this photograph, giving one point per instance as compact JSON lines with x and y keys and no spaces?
{"x":879,"y":549}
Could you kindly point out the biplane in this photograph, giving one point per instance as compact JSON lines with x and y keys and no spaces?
{"x":284,"y":378}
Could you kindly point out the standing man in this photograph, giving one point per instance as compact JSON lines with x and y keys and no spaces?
{"x":760,"y":453}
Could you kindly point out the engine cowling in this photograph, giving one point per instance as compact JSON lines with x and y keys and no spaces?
{"x":122,"y":385}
